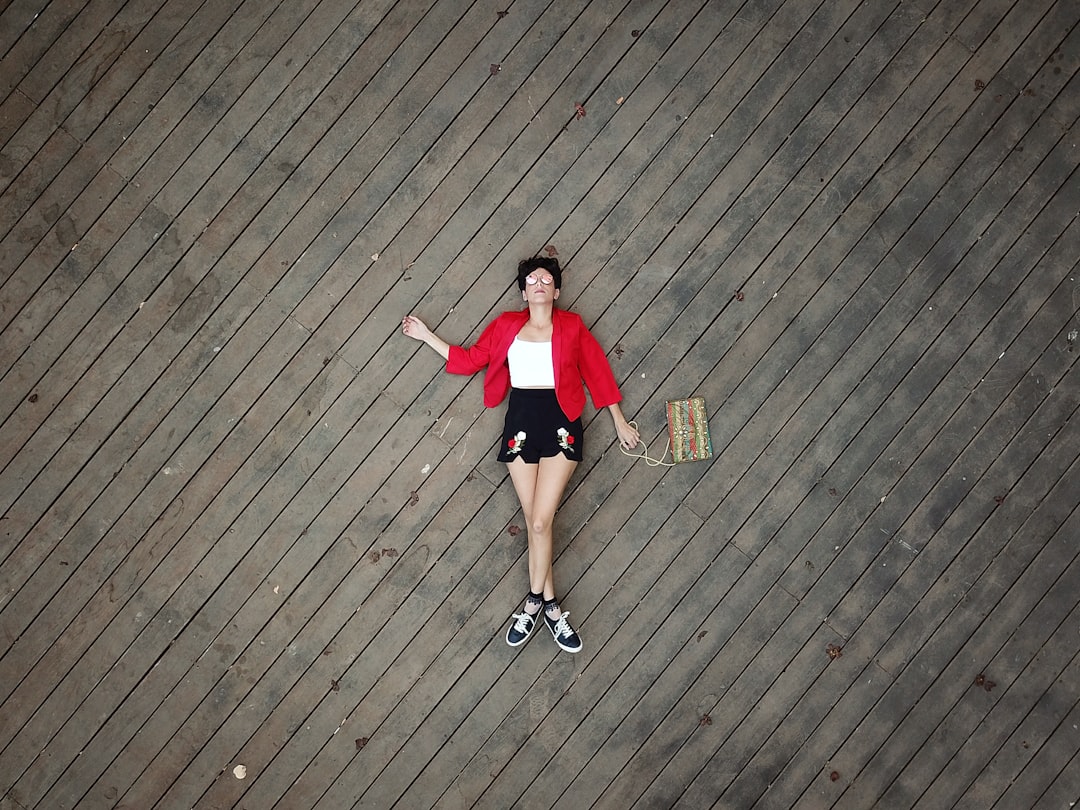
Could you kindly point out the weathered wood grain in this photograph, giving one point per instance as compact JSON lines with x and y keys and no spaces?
{"x":245,"y":522}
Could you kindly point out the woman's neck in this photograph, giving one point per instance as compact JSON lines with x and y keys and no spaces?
{"x":540,"y":315}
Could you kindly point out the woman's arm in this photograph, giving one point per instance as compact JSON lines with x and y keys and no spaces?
{"x":418,"y":330}
{"x":628,"y":434}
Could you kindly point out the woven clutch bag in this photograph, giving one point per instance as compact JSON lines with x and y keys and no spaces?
{"x":688,"y":425}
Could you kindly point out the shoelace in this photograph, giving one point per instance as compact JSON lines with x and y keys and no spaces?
{"x":520,"y":619}
{"x":562,"y":626}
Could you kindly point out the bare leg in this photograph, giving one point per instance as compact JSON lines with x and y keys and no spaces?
{"x":540,"y":488}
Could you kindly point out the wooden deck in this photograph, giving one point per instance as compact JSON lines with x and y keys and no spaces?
{"x":245,"y":523}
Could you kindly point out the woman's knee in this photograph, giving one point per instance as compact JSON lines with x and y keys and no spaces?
{"x":540,"y":525}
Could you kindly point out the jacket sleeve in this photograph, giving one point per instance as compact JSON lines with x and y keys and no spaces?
{"x":477,"y":356}
{"x":596,"y":371}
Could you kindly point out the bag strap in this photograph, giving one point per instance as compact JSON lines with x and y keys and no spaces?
{"x":652,"y":462}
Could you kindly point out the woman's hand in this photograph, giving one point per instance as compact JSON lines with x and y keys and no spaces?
{"x":628,"y":434}
{"x":417,"y":330}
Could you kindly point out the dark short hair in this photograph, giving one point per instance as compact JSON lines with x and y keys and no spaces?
{"x":526,"y":266}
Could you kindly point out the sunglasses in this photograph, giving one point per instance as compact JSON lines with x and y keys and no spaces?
{"x":544,"y":279}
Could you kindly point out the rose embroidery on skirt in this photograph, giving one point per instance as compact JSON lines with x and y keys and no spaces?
{"x":566,"y":441}
{"x":515,"y":444}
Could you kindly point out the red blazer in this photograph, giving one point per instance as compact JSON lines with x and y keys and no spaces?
{"x":575,"y":352}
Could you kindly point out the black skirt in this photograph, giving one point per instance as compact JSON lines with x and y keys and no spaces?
{"x":536,"y":428}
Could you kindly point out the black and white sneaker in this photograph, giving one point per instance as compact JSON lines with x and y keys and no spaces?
{"x":521,"y":628}
{"x":564,"y":634}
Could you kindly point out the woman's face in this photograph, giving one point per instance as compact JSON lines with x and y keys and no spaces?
{"x":540,"y":286}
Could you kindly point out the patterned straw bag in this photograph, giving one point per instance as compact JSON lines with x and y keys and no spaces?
{"x":688,"y":428}
{"x":688,"y":434}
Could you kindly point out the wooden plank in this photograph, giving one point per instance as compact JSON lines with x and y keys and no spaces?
{"x":653,"y":722}
{"x":111,"y":109}
{"x":235,"y":563}
{"x":1064,"y":788}
{"x":917,"y":586}
{"x":939,"y":673}
{"x":1047,"y":772}
{"x":147,"y":185}
{"x":110,"y":135}
{"x":759,"y":429}
{"x":1036,"y":701}
{"x":136,"y":604}
{"x":1041,"y":625}
{"x":15,"y":109}
{"x":26,"y":35}
{"x":307,"y":595}
{"x":458,"y":633}
{"x":60,"y":80}
{"x":137,"y":293}
{"x":260,"y":739}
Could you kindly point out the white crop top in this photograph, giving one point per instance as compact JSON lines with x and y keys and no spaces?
{"x":531,"y":365}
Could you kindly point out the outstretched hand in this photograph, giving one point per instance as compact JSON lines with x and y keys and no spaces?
{"x":418,"y":330}
{"x":415,"y":328}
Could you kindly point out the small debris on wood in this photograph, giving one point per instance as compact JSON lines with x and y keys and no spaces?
{"x":414,"y":498}
{"x":239,"y":771}
{"x":579,"y":110}
{"x":550,"y":251}
{"x":502,"y":14}
{"x":834,"y":651}
{"x":361,"y":742}
{"x":705,"y":720}
{"x":513,"y":530}
{"x":494,"y":68}
{"x":984,"y":682}
{"x":335,"y":685}
{"x":834,"y":775}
